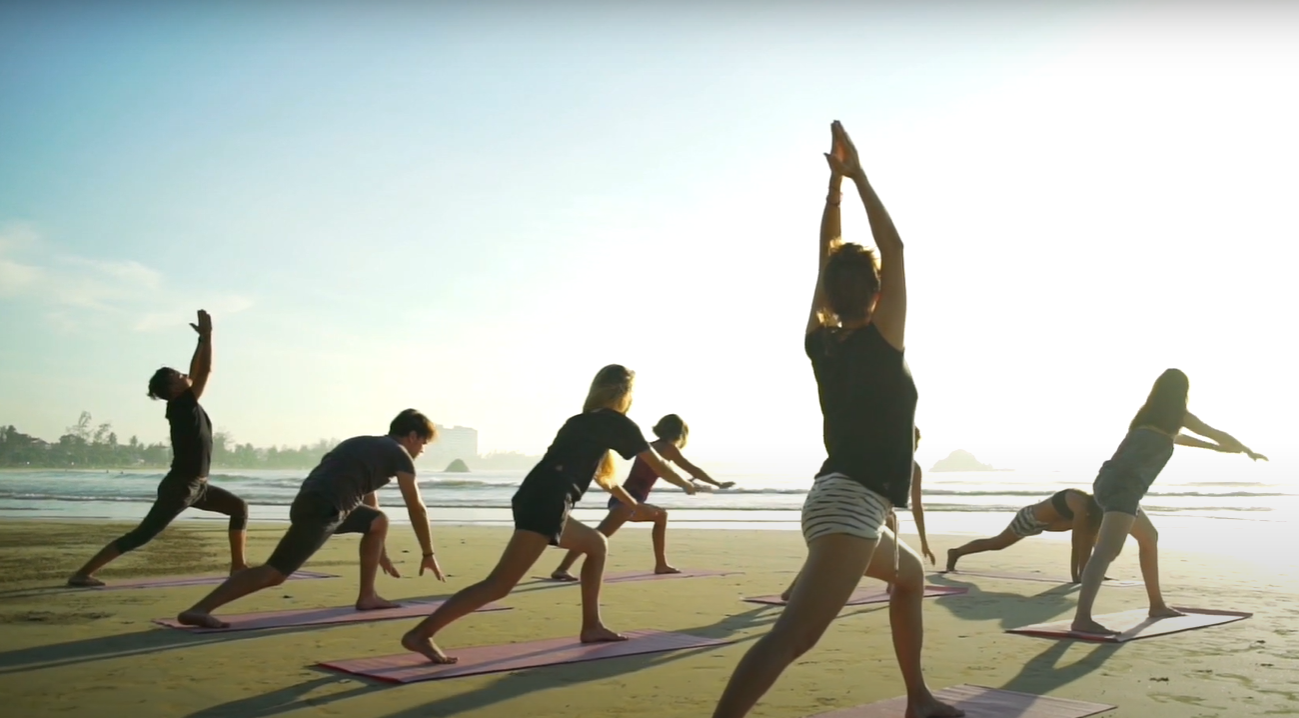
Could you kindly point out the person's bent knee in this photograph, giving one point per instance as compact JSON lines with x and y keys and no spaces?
{"x":597,"y":544}
{"x":910,"y":575}
{"x":274,"y":577}
{"x":239,"y":517}
{"x":661,"y":517}
{"x":379,"y":524}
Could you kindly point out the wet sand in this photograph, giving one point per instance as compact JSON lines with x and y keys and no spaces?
{"x":72,"y":652}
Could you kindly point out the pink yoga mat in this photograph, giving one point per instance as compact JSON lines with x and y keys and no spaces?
{"x":318,"y":617}
{"x":629,"y":576}
{"x":1033,"y":577}
{"x":864,"y":596}
{"x":981,"y":702}
{"x":1135,"y":624}
{"x":174,"y":581}
{"x":477,"y":660}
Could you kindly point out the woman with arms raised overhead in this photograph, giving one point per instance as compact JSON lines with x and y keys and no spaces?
{"x":855,"y":340}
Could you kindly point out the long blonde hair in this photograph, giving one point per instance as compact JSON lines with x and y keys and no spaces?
{"x":610,"y":389}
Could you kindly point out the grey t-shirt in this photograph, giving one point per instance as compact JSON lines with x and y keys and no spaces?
{"x":357,"y":467}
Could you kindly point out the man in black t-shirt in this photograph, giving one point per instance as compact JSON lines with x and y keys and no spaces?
{"x":185,"y":486}
{"x":339,"y":496}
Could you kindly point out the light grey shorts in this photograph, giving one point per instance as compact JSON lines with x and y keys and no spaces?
{"x":1025,"y":524}
{"x":838,"y":505}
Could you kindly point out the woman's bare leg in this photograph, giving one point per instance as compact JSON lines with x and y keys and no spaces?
{"x":1115,"y":526}
{"x":523,"y":550}
{"x":608,"y":526}
{"x":907,"y":621}
{"x":834,"y":566}
{"x":584,"y":539}
{"x":1148,"y":551}
{"x":1005,"y":539}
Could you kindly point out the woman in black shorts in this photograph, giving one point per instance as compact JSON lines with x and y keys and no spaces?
{"x":1066,"y":510}
{"x":854,"y":340}
{"x":1124,"y":480}
{"x":185,"y":486}
{"x":579,"y":454}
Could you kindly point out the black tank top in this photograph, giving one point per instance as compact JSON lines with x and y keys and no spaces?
{"x":1060,"y":501}
{"x":868,"y":405}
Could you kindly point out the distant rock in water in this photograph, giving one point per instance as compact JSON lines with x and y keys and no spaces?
{"x":961,"y":460}
{"x":457,"y":467}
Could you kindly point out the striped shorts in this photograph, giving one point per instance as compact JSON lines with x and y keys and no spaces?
{"x":1025,"y":524}
{"x":838,"y":505}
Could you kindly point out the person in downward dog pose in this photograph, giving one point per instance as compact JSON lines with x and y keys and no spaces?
{"x":579,"y":454}
{"x":1124,"y":480}
{"x":855,"y":341}
{"x":917,"y":512}
{"x":671,"y":432}
{"x":185,"y":485}
{"x":339,"y":497}
{"x":1066,"y":510}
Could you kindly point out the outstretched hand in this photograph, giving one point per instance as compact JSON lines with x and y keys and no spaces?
{"x":690,"y":488}
{"x":204,"y":326}
{"x":1254,"y":456}
{"x":924,"y":549}
{"x":430,"y":563}
{"x":385,"y":563}
{"x":726,"y":484}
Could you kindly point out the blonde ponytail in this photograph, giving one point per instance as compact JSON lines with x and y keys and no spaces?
{"x":611,"y":389}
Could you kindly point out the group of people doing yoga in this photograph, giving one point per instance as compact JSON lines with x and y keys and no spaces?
{"x":855,"y":341}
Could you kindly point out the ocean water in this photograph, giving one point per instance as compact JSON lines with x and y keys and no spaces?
{"x":1195,"y":505}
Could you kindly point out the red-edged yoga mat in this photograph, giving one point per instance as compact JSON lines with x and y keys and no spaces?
{"x":1135,"y":624}
{"x":477,"y":660}
{"x":629,"y":576}
{"x":981,"y":702}
{"x":864,"y":596}
{"x":1111,"y":583}
{"x":318,"y":616}
{"x":174,"y":581}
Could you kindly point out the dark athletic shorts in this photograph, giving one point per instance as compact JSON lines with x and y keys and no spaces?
{"x":313,"y":520}
{"x":1119,"y":492}
{"x":640,"y":496}
{"x":542,"y":512}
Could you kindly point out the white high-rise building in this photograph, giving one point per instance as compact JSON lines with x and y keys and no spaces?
{"x":454,"y":442}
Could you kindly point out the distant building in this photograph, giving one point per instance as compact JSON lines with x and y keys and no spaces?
{"x":454,"y":442}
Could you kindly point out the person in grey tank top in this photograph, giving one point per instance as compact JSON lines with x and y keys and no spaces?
{"x":1123,"y":482}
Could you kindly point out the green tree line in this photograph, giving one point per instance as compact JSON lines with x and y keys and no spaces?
{"x":86,"y":445}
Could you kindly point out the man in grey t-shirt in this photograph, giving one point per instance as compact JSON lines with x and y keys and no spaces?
{"x":339,"y":496}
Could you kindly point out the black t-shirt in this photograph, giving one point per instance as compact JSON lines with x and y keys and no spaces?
{"x":570,"y":463}
{"x":191,"y":436}
{"x":357,"y":467}
{"x":868,"y":405}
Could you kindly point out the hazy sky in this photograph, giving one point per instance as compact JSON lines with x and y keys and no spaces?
{"x":470,"y":212}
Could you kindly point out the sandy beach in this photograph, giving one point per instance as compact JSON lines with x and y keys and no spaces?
{"x":79,"y":652}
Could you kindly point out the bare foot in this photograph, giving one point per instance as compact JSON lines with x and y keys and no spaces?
{"x":427,"y":648}
{"x":952,"y":558}
{"x":1165,"y":612}
{"x":564,"y":576}
{"x":374,"y":603}
{"x":600,"y":634}
{"x":201,"y":619}
{"x":84,"y":582}
{"x":666,"y":569}
{"x":1091,"y":627}
{"x":237,"y":567}
{"x":931,"y":707}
